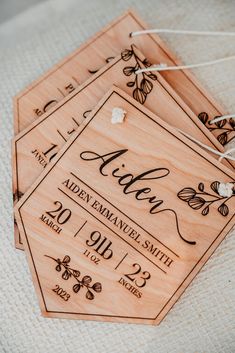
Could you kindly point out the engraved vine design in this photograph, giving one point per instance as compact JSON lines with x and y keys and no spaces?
{"x":142,"y":83}
{"x":227,"y":132}
{"x":200,"y":199}
{"x":84,"y":282}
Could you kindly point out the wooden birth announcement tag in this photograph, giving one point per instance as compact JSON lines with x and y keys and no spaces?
{"x":117,"y":227}
{"x":37,"y":145}
{"x":64,"y":77}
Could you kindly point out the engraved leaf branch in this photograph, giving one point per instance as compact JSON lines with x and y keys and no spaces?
{"x":142,"y":83}
{"x":227,"y":128}
{"x":85,"y":282}
{"x":200,"y":199}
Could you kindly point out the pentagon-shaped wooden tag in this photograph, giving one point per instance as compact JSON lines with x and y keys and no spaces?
{"x":119,"y":224}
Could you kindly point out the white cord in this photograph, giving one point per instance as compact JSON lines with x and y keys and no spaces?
{"x":164,"y":67}
{"x":179,"y":31}
{"x":219,"y":118}
{"x":226,"y":154}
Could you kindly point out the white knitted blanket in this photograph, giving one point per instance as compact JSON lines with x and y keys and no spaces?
{"x":202,"y":320}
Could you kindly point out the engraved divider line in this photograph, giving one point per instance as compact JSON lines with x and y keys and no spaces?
{"x":82,"y":226}
{"x":121,"y":261}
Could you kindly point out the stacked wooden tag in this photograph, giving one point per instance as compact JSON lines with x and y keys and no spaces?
{"x":117,"y":219}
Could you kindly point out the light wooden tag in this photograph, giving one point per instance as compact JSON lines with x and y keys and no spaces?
{"x":64,"y":77}
{"x":118,"y":226}
{"x":36,"y":146}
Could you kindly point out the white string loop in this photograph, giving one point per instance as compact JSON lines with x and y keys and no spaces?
{"x":226,"y":154}
{"x":180,"y":31}
{"x":165,"y":67}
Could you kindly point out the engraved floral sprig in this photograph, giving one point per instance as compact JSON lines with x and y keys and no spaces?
{"x":226,"y":127}
{"x":142,"y":82}
{"x":201,"y":199}
{"x":17,"y":195}
{"x":68,"y":272}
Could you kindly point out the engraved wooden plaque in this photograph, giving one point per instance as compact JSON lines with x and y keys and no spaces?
{"x":118,"y":226}
{"x":64,"y":77}
{"x":36,"y":146}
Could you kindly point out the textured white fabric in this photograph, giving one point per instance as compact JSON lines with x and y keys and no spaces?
{"x":202,"y":321}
